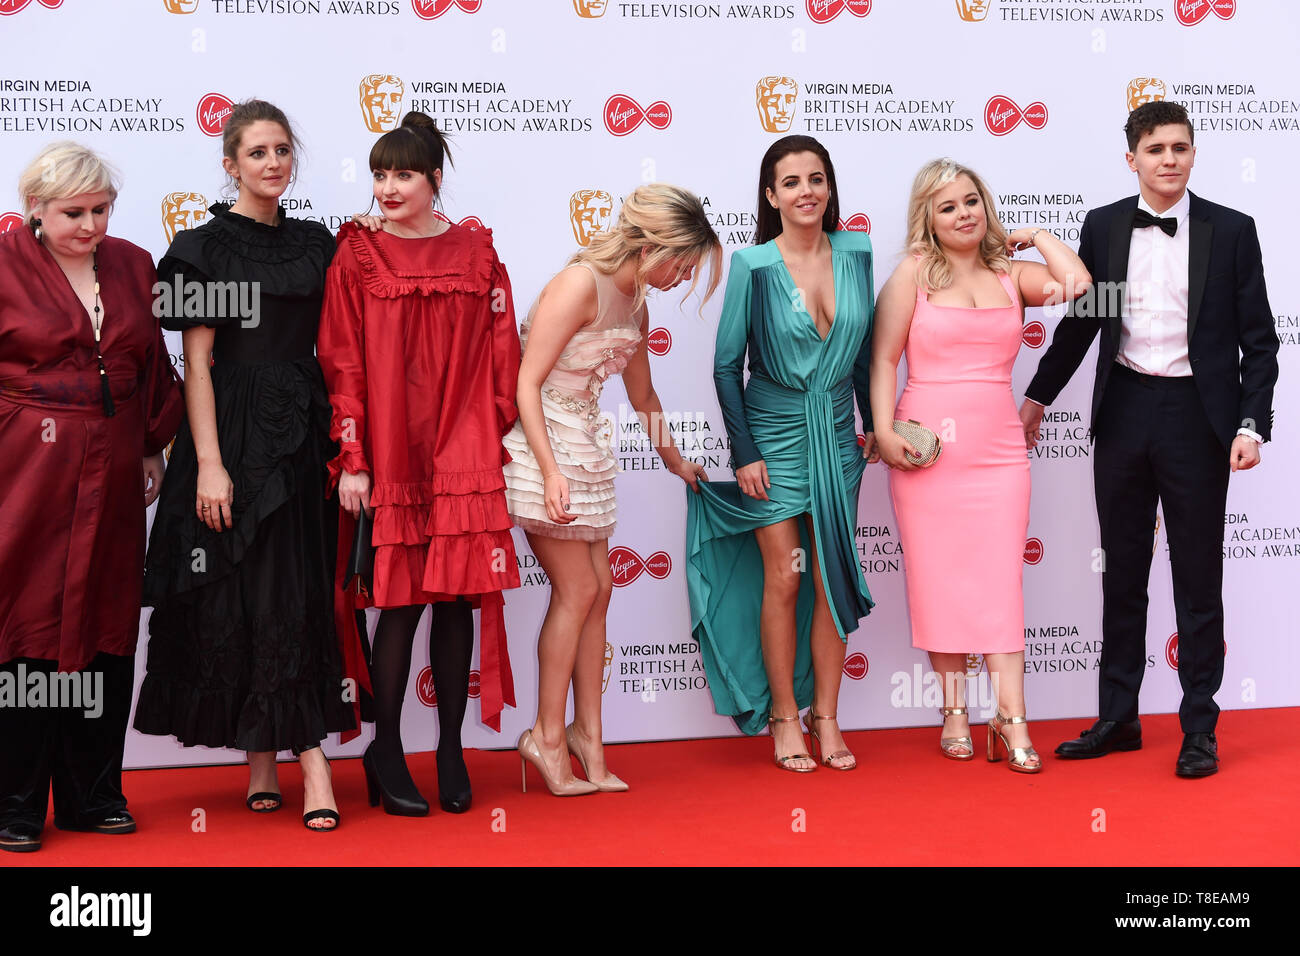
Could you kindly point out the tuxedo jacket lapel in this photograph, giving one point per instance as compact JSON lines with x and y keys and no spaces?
{"x":1121,"y":234}
{"x":1198,"y":263}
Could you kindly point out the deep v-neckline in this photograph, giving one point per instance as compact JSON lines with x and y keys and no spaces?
{"x":835,"y":290}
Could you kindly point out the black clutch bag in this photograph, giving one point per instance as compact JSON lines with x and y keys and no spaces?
{"x":361,"y":562}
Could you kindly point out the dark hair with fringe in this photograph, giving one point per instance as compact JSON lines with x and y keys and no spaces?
{"x":769,"y":219}
{"x":247,"y":113}
{"x":1148,"y":116}
{"x":417,"y":145}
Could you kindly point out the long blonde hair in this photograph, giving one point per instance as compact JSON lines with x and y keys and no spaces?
{"x":666,"y":221}
{"x":934,"y":271}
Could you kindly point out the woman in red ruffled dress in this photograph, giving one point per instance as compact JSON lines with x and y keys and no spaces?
{"x":421,"y":356}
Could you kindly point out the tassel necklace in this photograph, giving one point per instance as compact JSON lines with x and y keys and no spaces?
{"x":97,"y":324}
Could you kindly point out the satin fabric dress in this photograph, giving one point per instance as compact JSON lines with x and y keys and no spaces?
{"x":796,"y":414}
{"x":963,"y":520}
{"x":578,"y":431}
{"x":421,"y":358}
{"x":243,"y":652}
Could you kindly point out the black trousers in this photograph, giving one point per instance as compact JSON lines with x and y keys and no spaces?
{"x":75,"y":748}
{"x":1154,"y":441}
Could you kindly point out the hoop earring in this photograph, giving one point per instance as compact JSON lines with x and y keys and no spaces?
{"x":36,"y":229}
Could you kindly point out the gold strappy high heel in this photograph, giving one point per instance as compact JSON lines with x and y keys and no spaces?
{"x":784,"y":762}
{"x":1017,"y":757}
{"x":811,"y":721}
{"x":948,"y":745}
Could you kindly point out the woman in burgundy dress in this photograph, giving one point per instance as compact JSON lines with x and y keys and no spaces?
{"x":421,"y":356}
{"x":88,"y":402}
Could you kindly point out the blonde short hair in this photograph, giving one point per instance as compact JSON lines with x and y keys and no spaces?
{"x":934,"y":271}
{"x":62,"y":170}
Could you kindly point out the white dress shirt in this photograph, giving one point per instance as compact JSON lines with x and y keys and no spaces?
{"x":1153,"y":329}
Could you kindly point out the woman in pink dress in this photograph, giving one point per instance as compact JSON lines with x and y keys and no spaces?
{"x":956,"y":305}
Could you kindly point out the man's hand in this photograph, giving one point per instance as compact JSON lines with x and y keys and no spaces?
{"x":1244,"y":453}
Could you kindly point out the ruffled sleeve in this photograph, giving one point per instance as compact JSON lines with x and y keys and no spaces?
{"x":340,"y":349}
{"x":505,"y":353}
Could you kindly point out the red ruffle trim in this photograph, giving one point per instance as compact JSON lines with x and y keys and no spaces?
{"x":470,"y":272}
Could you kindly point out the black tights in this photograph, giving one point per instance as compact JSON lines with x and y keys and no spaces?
{"x":451,"y":643}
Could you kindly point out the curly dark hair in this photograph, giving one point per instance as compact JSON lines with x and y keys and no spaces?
{"x":1156,"y":113}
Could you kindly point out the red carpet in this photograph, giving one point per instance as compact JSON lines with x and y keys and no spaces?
{"x":723,"y":802}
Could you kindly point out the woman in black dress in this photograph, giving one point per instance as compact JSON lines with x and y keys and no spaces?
{"x":243,"y":651}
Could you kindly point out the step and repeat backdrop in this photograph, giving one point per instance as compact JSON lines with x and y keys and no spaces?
{"x":557,"y":108}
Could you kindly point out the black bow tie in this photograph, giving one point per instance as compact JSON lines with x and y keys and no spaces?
{"x":1142,"y":219}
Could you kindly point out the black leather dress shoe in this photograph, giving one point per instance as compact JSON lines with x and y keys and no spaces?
{"x":118,"y":821}
{"x":1199,"y":756}
{"x":1102,"y":738}
{"x":20,"y":838}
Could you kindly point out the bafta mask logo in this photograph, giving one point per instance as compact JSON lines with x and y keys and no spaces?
{"x":182,"y":211}
{"x":973,"y":11}
{"x":1143,"y":90}
{"x":590,"y":10}
{"x":609,"y":666}
{"x":589,"y":212}
{"x":433,"y":9}
{"x":8,"y":7}
{"x":181,"y":6}
{"x":775,"y":97}
{"x":381,"y":101}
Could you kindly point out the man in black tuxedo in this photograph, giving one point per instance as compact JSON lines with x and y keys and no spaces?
{"x":1183,"y":396}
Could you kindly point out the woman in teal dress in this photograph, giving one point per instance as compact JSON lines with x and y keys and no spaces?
{"x":799,"y":303}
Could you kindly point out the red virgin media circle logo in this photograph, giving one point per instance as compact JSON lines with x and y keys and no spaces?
{"x":1171,"y":650}
{"x":472,"y":223}
{"x":858,"y":222}
{"x":9,"y":220}
{"x":1034,"y":334}
{"x":433,"y":9}
{"x":8,"y":7}
{"x":659,"y":341}
{"x":1033,"y":551}
{"x":623,"y":114}
{"x":626,"y":565}
{"x":1002,"y":115}
{"x":824,"y":11}
{"x":424,"y":688}
{"x":855,"y":666}
{"x":214,"y":109}
{"x":1192,"y":12}
{"x":475,"y":684}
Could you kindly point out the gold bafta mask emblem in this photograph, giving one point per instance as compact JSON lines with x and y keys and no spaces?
{"x":972,"y":11}
{"x":590,"y":8}
{"x":1143,"y":90}
{"x":589,"y":211}
{"x":182,"y":211}
{"x":775,"y":97}
{"x":381,"y":101}
{"x":181,"y":6}
{"x":609,"y":666}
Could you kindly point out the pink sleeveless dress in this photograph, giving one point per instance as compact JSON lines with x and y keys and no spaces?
{"x":579,"y":432}
{"x":963,"y":520}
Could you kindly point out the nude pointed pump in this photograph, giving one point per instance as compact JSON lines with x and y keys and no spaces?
{"x":530,"y":753}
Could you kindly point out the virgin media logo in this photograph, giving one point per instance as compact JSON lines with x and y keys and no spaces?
{"x":475,"y":684}
{"x":623,"y":114}
{"x":9,"y":220}
{"x":1002,"y":115}
{"x":424,"y":688}
{"x":858,"y":222}
{"x":213,"y":111}
{"x":1034,"y":334}
{"x":824,"y":11}
{"x":659,"y":341}
{"x":433,"y":9}
{"x":1171,"y":650}
{"x":8,"y":7}
{"x":626,"y":565}
{"x":1033,"y":551}
{"x":855,"y":666}
{"x":1192,"y":12}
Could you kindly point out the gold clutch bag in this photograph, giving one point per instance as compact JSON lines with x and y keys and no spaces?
{"x":922,"y":439}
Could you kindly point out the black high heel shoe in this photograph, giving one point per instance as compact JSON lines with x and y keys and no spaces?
{"x":460,"y":801}
{"x":400,"y":801}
